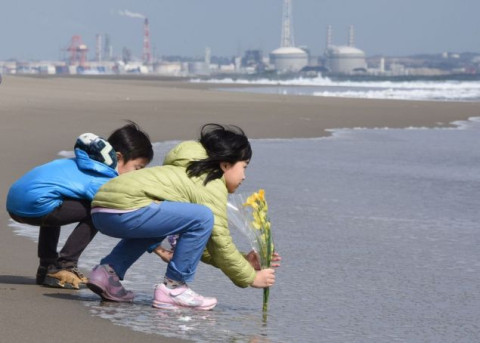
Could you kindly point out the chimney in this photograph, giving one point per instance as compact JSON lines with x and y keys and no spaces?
{"x":351,"y":36}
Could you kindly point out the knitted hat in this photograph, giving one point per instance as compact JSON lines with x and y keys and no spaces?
{"x":97,"y":149}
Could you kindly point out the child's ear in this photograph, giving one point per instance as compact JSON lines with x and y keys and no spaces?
{"x":119,"y":156}
{"x":224,"y":166}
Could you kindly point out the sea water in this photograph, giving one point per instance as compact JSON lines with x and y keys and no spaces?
{"x":379,"y":234}
{"x":444,"y":90}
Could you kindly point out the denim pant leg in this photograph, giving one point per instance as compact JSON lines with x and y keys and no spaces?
{"x":141,"y":228}
{"x":126,"y":253}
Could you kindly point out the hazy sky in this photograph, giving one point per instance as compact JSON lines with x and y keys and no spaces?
{"x":32,"y":29}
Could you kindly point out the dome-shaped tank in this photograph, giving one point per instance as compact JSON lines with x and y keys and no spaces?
{"x":289,"y":59}
{"x":345,"y":59}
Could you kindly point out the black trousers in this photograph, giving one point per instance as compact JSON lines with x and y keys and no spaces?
{"x":71,"y":211}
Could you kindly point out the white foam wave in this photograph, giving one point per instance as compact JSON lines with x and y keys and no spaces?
{"x":325,"y":81}
{"x":471,"y":123}
{"x":445,"y":94}
{"x":447,"y":90}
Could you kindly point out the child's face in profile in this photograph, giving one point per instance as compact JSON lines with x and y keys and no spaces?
{"x":234,"y":174}
{"x":125,"y":167}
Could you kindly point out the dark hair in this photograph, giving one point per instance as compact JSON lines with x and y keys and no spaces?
{"x":223,"y":144}
{"x":131,"y":142}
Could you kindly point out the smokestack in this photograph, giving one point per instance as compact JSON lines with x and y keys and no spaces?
{"x":329,"y":37}
{"x":382,"y":65}
{"x":98,"y":48}
{"x":351,"y":36}
{"x":147,"y":52}
{"x":208,"y":54}
{"x":107,"y":48}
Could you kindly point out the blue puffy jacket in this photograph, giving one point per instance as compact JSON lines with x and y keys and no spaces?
{"x":43,"y":188}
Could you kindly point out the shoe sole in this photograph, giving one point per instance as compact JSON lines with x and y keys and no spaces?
{"x":40,"y":276}
{"x":168,"y":306}
{"x":55,"y":283}
{"x":40,"y":279}
{"x":165,"y":306}
{"x":105,"y":295}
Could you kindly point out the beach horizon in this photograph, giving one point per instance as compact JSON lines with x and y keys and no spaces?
{"x":43,"y":116}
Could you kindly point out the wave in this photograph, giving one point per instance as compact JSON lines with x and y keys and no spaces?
{"x":325,"y":81}
{"x":449,"y":94}
{"x":447,"y":90}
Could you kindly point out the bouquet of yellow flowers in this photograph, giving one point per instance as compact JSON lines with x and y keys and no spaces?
{"x":250,"y":216}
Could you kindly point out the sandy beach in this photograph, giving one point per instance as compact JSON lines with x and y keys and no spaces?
{"x":43,"y":115}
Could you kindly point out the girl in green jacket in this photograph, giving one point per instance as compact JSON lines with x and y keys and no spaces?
{"x":186,"y":196}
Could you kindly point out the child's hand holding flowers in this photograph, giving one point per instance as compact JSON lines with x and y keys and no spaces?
{"x":254,"y":259}
{"x":251,"y":218}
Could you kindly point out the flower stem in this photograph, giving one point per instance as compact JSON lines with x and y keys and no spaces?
{"x":266,"y":293}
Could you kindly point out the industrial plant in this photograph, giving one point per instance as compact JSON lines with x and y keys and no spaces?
{"x":344,"y":59}
{"x":288,"y":60}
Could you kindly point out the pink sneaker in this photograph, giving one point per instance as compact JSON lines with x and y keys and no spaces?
{"x":104,"y":281}
{"x":181,"y":296}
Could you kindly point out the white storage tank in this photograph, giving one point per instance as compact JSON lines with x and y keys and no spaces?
{"x":288,"y":59}
{"x":345,"y":59}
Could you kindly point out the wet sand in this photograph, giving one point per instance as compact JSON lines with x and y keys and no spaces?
{"x":43,"y":115}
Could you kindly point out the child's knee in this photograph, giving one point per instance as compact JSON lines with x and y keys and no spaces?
{"x":206,"y":218}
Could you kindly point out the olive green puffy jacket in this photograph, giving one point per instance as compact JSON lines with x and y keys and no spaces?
{"x":170,"y":182}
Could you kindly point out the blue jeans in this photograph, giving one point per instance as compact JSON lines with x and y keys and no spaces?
{"x":151,"y":224}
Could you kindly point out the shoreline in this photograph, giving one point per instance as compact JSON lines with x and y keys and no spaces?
{"x":42,"y":116}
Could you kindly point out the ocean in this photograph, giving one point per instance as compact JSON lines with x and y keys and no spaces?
{"x":444,"y":90}
{"x":379,"y":234}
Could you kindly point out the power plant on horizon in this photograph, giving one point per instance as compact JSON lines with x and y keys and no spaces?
{"x":337,"y":59}
{"x":287,"y":59}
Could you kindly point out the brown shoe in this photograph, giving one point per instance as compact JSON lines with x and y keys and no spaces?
{"x":63,"y":278}
{"x":79,"y":274}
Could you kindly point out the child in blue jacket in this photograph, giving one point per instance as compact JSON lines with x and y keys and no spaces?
{"x":59,"y":193}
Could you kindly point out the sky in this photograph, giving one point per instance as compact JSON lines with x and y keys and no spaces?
{"x":40,"y":30}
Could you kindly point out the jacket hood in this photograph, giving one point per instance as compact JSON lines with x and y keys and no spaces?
{"x":86,"y":164}
{"x":184,"y":153}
